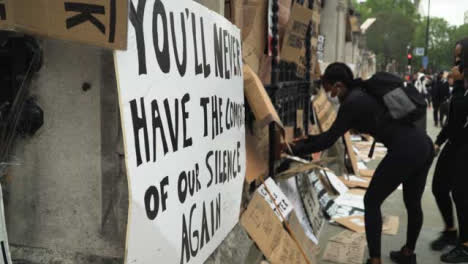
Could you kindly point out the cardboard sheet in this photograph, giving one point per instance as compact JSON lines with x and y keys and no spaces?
{"x":101,"y":23}
{"x":284,"y":205}
{"x":254,"y":31}
{"x":349,"y":237}
{"x":324,"y":110}
{"x":349,"y":199}
{"x":390,"y":225}
{"x":257,"y":166}
{"x":293,"y":49}
{"x":331,"y":208}
{"x":258,"y":99}
{"x":311,"y":249}
{"x":357,"y":224}
{"x":354,"y":181}
{"x":354,"y":223}
{"x":267,"y":231}
{"x":346,"y":248}
{"x":337,"y":184}
{"x":297,"y":169}
{"x":367,"y":173}
{"x":311,"y":205}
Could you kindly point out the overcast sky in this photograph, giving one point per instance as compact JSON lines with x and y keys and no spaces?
{"x":452,"y":10}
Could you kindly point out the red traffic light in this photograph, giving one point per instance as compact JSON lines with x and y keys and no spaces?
{"x":410,"y":56}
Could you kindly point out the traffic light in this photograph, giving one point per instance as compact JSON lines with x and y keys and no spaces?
{"x":410,"y":58}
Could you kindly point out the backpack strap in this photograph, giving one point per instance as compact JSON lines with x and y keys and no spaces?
{"x":371,"y":151}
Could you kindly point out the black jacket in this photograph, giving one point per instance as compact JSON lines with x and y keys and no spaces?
{"x":359,"y":111}
{"x":440,"y":92}
{"x":456,"y":130}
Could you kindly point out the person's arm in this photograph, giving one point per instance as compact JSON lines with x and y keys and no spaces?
{"x":443,"y":136}
{"x":343,"y":122}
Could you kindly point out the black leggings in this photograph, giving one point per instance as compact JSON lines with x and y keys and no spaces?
{"x":460,"y":193}
{"x":442,"y":183}
{"x":408,"y":162}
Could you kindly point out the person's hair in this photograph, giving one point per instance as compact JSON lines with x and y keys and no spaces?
{"x":464,"y":55}
{"x":339,"y":72}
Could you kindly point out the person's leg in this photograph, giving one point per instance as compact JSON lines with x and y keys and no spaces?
{"x":442,"y":186}
{"x":460,"y":196}
{"x":385,"y":180}
{"x":413,"y":189}
{"x":460,"y":193}
{"x":436,"y":114}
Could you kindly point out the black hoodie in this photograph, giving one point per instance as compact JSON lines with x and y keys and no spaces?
{"x":456,"y":130}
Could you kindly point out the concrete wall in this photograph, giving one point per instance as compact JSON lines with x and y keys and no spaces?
{"x":68,"y":195}
{"x":67,"y":202}
{"x":333,"y":27}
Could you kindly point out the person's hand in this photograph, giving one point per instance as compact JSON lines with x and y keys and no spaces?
{"x":436,"y":149}
{"x":457,"y":75}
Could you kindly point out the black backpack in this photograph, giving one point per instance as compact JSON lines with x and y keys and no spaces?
{"x":402,"y":100}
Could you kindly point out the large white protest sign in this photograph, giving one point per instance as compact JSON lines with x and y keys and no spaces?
{"x":182,"y":107}
{"x":4,"y":248}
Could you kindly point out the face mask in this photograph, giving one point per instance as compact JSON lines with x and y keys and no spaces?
{"x":334,"y":100}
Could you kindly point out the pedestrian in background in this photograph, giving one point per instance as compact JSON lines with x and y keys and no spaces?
{"x":456,"y":131}
{"x":428,"y":85}
{"x":440,"y":93}
{"x":444,"y":105}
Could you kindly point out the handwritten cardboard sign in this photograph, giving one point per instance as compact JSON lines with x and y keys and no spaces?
{"x":266,"y":230}
{"x":183,"y":116}
{"x":284,"y":205}
{"x":347,"y":248}
{"x":293,"y":49}
{"x":97,"y":22}
{"x":326,"y":114}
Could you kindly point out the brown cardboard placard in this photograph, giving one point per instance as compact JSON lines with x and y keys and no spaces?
{"x":6,"y":14}
{"x":351,"y":154}
{"x":326,"y":114}
{"x":256,"y":166}
{"x":354,"y":184}
{"x":344,"y":253}
{"x":297,"y":169}
{"x":311,"y":249}
{"x":254,"y":31}
{"x":354,"y":22}
{"x":390,"y":225}
{"x":357,"y":224}
{"x":293,"y":49}
{"x":314,"y":130}
{"x":349,"y":237}
{"x":300,"y":120}
{"x":357,"y":191}
{"x":266,"y":230}
{"x":347,"y":249}
{"x":354,"y":223}
{"x":289,"y":133}
{"x":258,"y":99}
{"x":102,"y":23}
{"x":367,"y":173}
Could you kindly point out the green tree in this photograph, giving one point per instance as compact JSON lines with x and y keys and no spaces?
{"x":442,"y":40}
{"x":393,"y":30}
